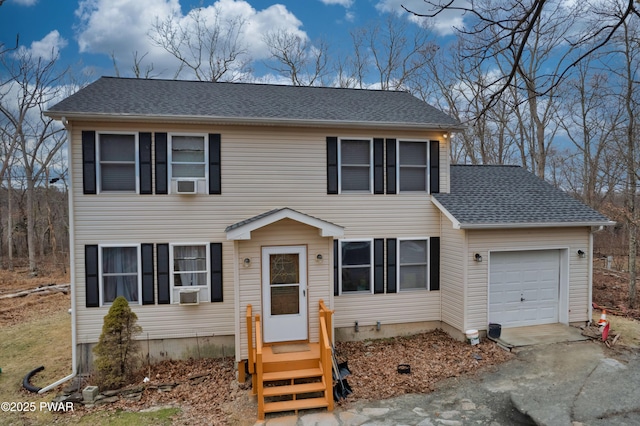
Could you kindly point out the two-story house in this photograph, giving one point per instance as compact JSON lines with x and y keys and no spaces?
{"x":195,"y":200}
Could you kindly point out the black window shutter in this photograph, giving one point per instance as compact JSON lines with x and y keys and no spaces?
{"x":378,"y":265}
{"x":163,"y":274}
{"x":161,"y":164}
{"x":378,"y":166}
{"x":215,"y":175}
{"x":147,"y":274}
{"x":391,"y":265}
{"x":434,"y":263}
{"x":391,"y":166}
{"x":91,"y":279}
{"x":332,"y":165}
{"x":216,"y":272}
{"x":88,"y":162}
{"x":434,"y":167}
{"x":336,"y":268}
{"x":144,"y":141}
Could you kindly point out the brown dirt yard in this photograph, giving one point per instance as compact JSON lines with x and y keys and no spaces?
{"x":206,"y":391}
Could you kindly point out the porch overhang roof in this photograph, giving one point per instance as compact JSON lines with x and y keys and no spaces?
{"x":242,"y":230}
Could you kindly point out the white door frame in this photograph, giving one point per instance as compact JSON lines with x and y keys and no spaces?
{"x":289,"y":327}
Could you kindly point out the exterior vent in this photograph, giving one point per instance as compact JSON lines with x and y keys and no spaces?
{"x":190,"y":296}
{"x":186,"y":186}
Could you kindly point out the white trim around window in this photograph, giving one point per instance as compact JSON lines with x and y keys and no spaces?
{"x":191,"y":270}
{"x":400,"y":166}
{"x":100,"y":162}
{"x":354,"y":165}
{"x":102,"y":275}
{"x":414,"y":267}
{"x":355,"y":267}
{"x":201,"y":181}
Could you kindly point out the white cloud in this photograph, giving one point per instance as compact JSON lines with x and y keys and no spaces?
{"x":345,"y":3}
{"x":121,"y":27}
{"x":443,"y":24}
{"x":25,"y":2}
{"x":47,"y":48}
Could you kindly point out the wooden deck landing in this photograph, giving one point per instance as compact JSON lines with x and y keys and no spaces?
{"x":290,"y":376}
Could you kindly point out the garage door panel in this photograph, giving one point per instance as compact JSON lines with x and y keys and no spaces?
{"x":524,"y":287}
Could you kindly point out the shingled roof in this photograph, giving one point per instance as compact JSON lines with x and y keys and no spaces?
{"x":486,"y":197}
{"x":149,"y":99}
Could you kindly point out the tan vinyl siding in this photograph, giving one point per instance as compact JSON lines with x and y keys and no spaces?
{"x":397,"y":308}
{"x":262,"y":168}
{"x":453,"y":274}
{"x":484,"y":241}
{"x":285,"y":232}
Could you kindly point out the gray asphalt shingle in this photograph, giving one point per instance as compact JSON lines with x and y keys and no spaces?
{"x":109,"y":96}
{"x":510,"y":196}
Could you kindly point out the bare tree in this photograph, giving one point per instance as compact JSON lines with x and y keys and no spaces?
{"x":511,"y":24}
{"x":460,"y":90}
{"x":628,"y":43}
{"x":139,"y":71}
{"x":204,"y":43}
{"x":592,"y":115}
{"x":386,"y":55}
{"x":34,"y":82}
{"x":294,"y":57}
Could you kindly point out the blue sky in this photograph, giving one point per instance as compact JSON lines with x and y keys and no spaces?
{"x":86,"y":32}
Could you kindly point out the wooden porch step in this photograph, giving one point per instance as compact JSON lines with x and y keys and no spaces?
{"x":295,"y":405}
{"x":296,"y":389}
{"x":292,"y":374}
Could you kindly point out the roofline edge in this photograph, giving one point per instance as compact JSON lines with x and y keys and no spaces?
{"x":250,"y":121}
{"x":534,"y":225}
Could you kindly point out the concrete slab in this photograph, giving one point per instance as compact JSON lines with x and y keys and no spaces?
{"x":539,"y":335}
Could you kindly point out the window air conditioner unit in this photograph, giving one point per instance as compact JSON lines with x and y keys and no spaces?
{"x":190,"y":296}
{"x":184,"y":186}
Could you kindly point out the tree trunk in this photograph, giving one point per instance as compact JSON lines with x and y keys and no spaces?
{"x":31,"y":240}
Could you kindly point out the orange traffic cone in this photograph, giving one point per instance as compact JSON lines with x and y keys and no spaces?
{"x":603,"y":318}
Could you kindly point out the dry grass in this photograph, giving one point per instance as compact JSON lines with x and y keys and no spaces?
{"x":46,"y":341}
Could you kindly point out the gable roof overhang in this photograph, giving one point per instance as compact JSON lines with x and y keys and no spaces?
{"x":457,"y":224}
{"x":510,"y":197}
{"x":253,"y":121}
{"x":242,"y":230}
{"x":114,"y":99}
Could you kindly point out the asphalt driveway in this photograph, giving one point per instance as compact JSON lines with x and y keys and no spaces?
{"x":577,"y":383}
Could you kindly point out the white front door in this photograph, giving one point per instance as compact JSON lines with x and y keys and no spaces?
{"x":284,"y":293}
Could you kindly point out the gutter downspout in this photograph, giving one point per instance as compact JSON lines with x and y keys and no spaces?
{"x":74,"y":355}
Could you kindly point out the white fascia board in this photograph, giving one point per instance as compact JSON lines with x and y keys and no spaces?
{"x":325,"y":228}
{"x":533,"y":225}
{"x":249,"y":121}
{"x":447,"y":213}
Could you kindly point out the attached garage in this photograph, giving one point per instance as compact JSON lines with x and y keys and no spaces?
{"x":526,"y":250}
{"x":524,"y":287}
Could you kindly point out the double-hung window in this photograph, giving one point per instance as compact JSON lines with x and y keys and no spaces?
{"x":120,"y":273}
{"x":413,"y":264}
{"x":117,"y":159}
{"x":412,"y":167}
{"x":190,"y":268}
{"x":356,"y":269}
{"x":188,"y":157}
{"x":356,"y":172}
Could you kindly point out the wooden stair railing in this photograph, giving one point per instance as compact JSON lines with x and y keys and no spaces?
{"x":291,"y":381}
{"x":250,"y":348}
{"x":259,"y":369}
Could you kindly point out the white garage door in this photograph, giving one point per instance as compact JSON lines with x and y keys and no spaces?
{"x":524,"y":287}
